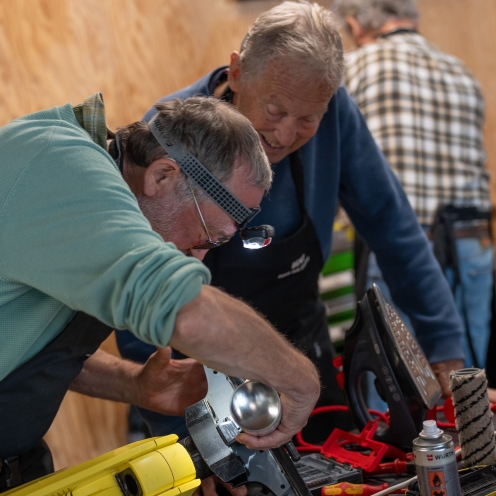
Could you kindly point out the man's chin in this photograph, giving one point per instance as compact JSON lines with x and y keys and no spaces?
{"x":275,"y":157}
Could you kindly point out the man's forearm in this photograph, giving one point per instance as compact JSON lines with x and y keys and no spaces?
{"x":108,"y":377}
{"x":162,"y":385}
{"x":227,"y":335}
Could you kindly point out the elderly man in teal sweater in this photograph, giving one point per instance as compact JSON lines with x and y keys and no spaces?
{"x":95,"y":236}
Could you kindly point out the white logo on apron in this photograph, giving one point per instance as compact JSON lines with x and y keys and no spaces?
{"x":297,"y":266}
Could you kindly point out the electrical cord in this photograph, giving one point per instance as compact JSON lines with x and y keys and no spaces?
{"x":452,"y":425}
{"x":306,"y":447}
{"x":396,"y":466}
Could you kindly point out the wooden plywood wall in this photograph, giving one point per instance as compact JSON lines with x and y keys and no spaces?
{"x":467,"y":29}
{"x":135,"y":51}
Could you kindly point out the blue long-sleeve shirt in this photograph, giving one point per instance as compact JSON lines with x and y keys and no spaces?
{"x":342,"y":163}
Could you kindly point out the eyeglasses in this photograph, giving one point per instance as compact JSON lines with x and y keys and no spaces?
{"x":252,"y":237}
{"x":209,"y":244}
{"x":194,"y":169}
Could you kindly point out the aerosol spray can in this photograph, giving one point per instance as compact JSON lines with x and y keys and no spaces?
{"x":435,"y":461}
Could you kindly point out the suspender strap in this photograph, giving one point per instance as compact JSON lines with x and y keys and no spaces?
{"x":298,"y":177}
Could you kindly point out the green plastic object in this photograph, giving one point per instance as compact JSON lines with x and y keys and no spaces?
{"x":338,"y":262}
{"x":336,"y":293}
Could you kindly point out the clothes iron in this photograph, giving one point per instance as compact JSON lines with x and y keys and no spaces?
{"x":379,"y":342}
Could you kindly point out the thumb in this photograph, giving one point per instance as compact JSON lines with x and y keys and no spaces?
{"x":160,"y":358}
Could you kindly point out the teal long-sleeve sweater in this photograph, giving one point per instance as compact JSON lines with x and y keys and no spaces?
{"x":72,"y":238}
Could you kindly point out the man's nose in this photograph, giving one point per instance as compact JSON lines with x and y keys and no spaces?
{"x":286,"y":131}
{"x":199,"y":254}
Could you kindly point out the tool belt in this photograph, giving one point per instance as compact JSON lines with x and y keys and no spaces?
{"x":444,"y":232}
{"x":479,"y":231}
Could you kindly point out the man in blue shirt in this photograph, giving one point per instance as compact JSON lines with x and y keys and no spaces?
{"x":438,"y":156}
{"x":286,"y":80}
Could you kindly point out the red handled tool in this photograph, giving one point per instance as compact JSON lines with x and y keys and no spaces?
{"x":344,"y":488}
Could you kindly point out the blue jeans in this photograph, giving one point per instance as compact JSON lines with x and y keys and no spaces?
{"x":476,"y":265}
{"x":476,"y":273}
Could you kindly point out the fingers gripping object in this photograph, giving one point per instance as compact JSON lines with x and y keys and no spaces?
{"x":257,"y":409}
{"x":213,"y":428}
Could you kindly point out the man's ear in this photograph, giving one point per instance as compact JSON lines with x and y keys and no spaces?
{"x":234,"y":74}
{"x":359,"y":34}
{"x":355,"y":28}
{"x":161,"y":177}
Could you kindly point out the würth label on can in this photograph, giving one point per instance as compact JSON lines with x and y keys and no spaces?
{"x":437,"y":474}
{"x":435,"y":462}
{"x":434,"y":458}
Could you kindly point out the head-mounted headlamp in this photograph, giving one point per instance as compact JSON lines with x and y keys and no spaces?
{"x":253,"y":237}
{"x":257,"y":237}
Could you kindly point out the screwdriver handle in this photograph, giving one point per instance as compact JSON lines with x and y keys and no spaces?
{"x":292,"y":451}
{"x":345,"y":488}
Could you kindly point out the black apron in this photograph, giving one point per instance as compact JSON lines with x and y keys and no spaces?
{"x":281,"y":282}
{"x":31,"y":395}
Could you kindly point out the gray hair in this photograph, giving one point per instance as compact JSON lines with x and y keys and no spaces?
{"x":217,"y":134}
{"x":373,"y":14}
{"x":303,"y":34}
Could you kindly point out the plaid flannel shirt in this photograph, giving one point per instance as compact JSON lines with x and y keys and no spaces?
{"x":426,"y":113}
{"x":91,"y":117}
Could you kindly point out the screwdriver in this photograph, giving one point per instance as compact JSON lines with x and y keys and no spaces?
{"x":344,"y":488}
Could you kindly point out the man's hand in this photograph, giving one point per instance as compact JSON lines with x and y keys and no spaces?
{"x":442,"y":371}
{"x":492,"y":395}
{"x":169,"y":386}
{"x":294,"y":418}
{"x":210,"y":484}
{"x":226,"y":335}
{"x":161,"y":384}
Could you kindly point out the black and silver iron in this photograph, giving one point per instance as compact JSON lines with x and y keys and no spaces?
{"x":379,"y":342}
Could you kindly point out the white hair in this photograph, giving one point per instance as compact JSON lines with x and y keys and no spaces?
{"x":373,"y":14}
{"x":301,"y":34}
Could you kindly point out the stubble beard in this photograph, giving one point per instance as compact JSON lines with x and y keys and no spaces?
{"x":162,"y":215}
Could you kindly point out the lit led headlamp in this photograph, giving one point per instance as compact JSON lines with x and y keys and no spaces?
{"x":253,"y":237}
{"x":257,"y":237}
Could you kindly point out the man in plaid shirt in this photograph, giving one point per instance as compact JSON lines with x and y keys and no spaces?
{"x":426,"y":111}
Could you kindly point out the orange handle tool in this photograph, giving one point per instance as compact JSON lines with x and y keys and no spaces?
{"x":344,"y":488}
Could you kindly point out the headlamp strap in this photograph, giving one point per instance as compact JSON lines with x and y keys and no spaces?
{"x":192,"y":167}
